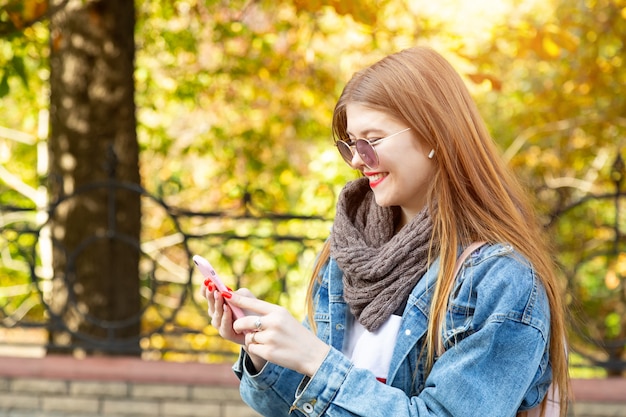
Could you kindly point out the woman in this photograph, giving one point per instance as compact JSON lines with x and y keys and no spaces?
{"x":392,"y":330}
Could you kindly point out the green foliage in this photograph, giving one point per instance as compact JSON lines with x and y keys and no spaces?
{"x":561,"y":80}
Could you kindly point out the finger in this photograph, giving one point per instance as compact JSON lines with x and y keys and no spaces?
{"x":251,"y":338}
{"x":210,"y":302}
{"x":218,"y":308}
{"x":226,"y":325}
{"x":207,"y":284}
{"x":244,"y":292}
{"x":253,"y":305}
{"x":258,"y":348}
{"x":251,"y":324}
{"x":207,"y":290}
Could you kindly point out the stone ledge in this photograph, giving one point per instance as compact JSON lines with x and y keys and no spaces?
{"x":611,"y":390}
{"x":118,"y":369}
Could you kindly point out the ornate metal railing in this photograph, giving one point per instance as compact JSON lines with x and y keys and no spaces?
{"x":591,"y":236}
{"x":267,"y":252}
{"x":273,"y":254}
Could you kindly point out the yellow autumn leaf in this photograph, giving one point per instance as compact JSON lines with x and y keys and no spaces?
{"x":33,"y":9}
{"x":550,"y":47}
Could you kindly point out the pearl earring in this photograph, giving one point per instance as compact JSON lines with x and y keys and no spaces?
{"x":431,"y":154}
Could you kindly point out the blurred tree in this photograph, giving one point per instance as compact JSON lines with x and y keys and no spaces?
{"x":95,"y":231}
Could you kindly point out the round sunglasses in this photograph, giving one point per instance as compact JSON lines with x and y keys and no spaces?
{"x":365,"y":148}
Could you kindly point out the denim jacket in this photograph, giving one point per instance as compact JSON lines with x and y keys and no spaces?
{"x":495,"y":360}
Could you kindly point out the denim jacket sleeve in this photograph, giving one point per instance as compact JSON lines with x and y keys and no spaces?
{"x":495,"y":363}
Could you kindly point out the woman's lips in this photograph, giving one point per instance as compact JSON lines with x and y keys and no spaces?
{"x":376,"y":178}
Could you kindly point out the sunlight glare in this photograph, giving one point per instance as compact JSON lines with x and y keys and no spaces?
{"x":474,"y":19}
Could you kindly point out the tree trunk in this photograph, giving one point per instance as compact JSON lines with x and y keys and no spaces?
{"x":93,"y":147}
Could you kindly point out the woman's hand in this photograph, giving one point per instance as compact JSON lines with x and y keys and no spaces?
{"x":273,"y":334}
{"x":221,"y":315}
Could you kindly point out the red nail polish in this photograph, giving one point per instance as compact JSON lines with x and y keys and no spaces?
{"x":226,"y":295}
{"x":211,"y":286}
{"x":207,"y":282}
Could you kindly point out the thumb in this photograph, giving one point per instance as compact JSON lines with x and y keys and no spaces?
{"x":244,"y":292}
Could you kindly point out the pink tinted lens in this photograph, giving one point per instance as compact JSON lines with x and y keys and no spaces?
{"x":345,"y":151}
{"x":367,"y":153}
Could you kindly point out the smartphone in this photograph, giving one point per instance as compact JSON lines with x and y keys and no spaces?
{"x":209,"y":273}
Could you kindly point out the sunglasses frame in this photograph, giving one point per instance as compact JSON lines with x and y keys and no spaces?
{"x":369,"y":146}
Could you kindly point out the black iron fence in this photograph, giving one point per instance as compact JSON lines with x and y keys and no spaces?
{"x":270,"y":253}
{"x":273,"y":255}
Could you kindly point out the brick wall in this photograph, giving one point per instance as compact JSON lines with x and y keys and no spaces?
{"x":115,"y":387}
{"x":93,"y":387}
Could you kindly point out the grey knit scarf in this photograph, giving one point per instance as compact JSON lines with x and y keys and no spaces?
{"x":380,"y":267}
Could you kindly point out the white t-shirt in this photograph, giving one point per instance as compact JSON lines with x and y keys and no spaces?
{"x":373,"y":350}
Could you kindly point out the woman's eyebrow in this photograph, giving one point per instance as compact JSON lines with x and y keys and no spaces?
{"x":367,"y":132}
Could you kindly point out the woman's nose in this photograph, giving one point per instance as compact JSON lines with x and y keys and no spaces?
{"x":357,"y":162}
